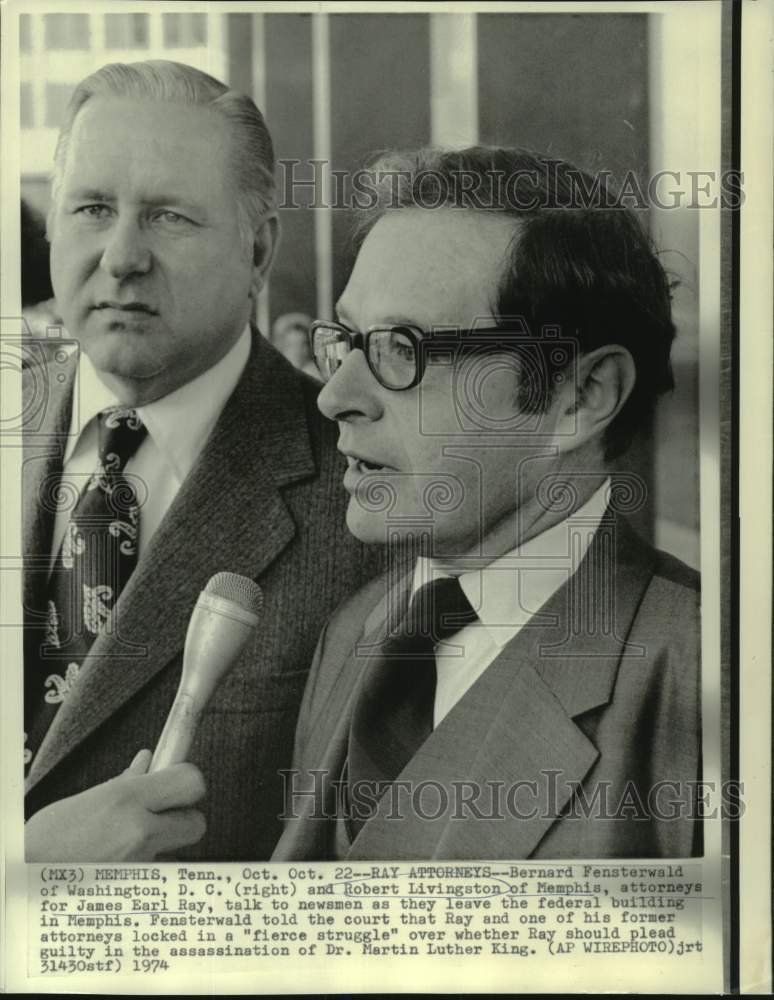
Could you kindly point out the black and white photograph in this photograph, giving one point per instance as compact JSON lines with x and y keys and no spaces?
{"x":370,"y":496}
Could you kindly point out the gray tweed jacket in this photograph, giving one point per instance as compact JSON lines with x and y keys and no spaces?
{"x":264,"y":500}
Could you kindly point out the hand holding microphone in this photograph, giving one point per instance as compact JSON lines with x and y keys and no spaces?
{"x":143,"y":813}
{"x":135,"y":816}
{"x":223,"y":622}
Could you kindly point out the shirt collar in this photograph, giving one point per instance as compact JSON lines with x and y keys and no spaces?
{"x":508,"y":591}
{"x":178,"y":423}
{"x":90,"y":397}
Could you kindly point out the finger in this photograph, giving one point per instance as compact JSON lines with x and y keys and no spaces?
{"x":172,"y":787}
{"x":177,"y":828}
{"x":140,"y":763}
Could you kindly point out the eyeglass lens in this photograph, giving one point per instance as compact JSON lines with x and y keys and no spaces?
{"x":391,"y":354}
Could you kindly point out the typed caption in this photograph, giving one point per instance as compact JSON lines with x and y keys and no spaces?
{"x":160,"y":919}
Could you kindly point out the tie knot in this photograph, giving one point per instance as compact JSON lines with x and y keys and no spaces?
{"x":121,"y":432}
{"x":439,"y":609}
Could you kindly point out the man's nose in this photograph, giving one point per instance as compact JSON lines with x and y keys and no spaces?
{"x":126,"y":251}
{"x":352,"y":393}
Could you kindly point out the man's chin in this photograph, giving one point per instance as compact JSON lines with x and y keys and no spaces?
{"x":116,"y":356}
{"x":373,"y":528}
{"x":368,"y":526}
{"x":132,"y":377}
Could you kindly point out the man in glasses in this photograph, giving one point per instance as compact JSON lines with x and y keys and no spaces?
{"x":530,"y":688}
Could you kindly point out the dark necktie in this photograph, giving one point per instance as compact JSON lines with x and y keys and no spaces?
{"x":96,"y":558}
{"x":393,"y":715}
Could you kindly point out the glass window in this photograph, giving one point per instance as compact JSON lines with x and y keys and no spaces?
{"x":25,"y":33}
{"x":57,"y":96}
{"x":27,"y":113}
{"x":67,"y":31}
{"x":126,"y":31}
{"x":184,"y":31}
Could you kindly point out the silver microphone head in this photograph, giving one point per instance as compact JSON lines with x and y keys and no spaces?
{"x":240,"y":589}
{"x":224,"y":620}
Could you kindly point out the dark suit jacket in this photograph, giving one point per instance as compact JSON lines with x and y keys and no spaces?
{"x":264,"y":500}
{"x":597,"y":695}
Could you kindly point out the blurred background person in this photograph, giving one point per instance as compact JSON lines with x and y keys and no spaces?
{"x":38,"y":303}
{"x":290,"y":335}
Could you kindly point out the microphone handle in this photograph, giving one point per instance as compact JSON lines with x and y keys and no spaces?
{"x":178,"y":733}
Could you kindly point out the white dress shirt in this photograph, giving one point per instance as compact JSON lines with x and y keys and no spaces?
{"x":506,"y":594}
{"x":178,"y":427}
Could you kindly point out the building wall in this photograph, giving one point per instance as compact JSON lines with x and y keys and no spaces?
{"x":337,"y":87}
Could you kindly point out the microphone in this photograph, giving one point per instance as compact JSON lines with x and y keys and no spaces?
{"x":224,"y":619}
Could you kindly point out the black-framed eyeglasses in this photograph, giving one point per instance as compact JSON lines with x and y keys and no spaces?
{"x":396,"y":355}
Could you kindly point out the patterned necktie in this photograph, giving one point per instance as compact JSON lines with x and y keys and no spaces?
{"x":96,"y":558}
{"x":393,"y":715}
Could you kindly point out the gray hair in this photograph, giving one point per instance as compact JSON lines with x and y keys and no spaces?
{"x":252,"y":156}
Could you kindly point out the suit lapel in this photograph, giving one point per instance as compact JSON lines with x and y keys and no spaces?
{"x":228,"y":515}
{"x":338,"y":700}
{"x":516,"y":725}
{"x":327,"y":747}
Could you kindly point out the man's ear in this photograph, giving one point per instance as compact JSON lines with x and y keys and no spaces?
{"x":265,"y":242}
{"x":588,"y":404}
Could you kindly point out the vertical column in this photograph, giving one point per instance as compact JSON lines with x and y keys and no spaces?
{"x":676,"y":88}
{"x":290,"y":113}
{"x":323,"y":219}
{"x":453,"y":79}
{"x":217,"y":45}
{"x":258,"y":93}
{"x":37,"y":58}
{"x":239,"y":42}
{"x":755,"y":502}
{"x":155,"y":31}
{"x":97,"y":35}
{"x":239,"y":60}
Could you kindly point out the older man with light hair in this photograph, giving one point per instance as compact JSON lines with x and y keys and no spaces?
{"x":163,"y":228}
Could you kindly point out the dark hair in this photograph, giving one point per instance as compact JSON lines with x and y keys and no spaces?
{"x":35,"y":279}
{"x":580,"y":261}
